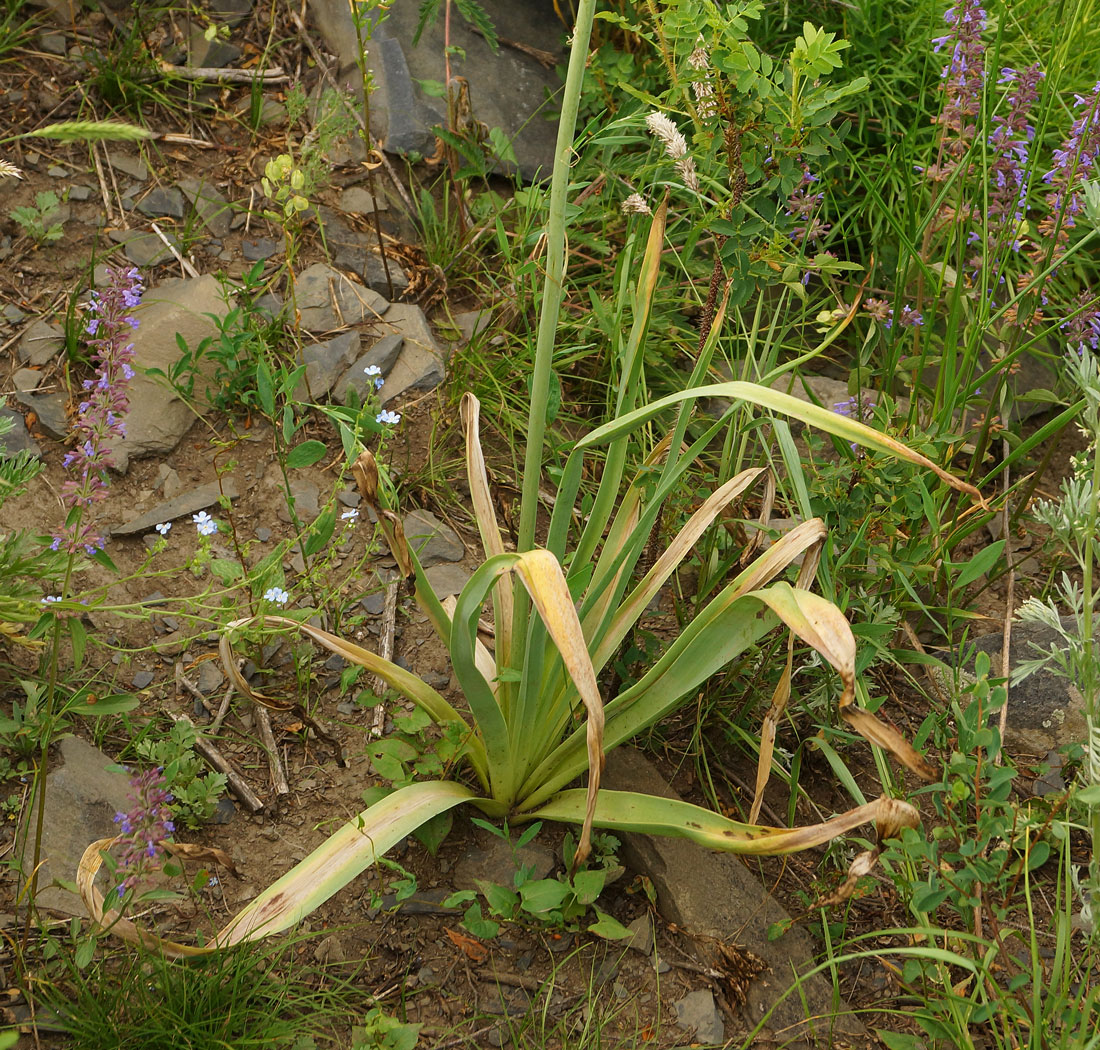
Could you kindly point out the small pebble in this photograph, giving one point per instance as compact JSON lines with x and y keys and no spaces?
{"x":142,"y":679}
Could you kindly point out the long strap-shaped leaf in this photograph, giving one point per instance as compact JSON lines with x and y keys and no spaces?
{"x":628,"y":612}
{"x":776,"y":401}
{"x":542,"y":576}
{"x":485,"y":515}
{"x":330,"y":867}
{"x":652,"y":815}
{"x":407,"y":684}
{"x":716,"y":636}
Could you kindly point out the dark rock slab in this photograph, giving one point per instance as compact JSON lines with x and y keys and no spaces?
{"x":697,"y":1013}
{"x":493,"y":860}
{"x":127,"y":164}
{"x":381,"y":355}
{"x":1045,"y":712}
{"x":433,"y":540}
{"x":213,"y":210}
{"x":421,"y":364}
{"x":329,"y":300}
{"x":158,"y":417}
{"x":18,"y":439}
{"x":40,"y":344}
{"x":715,"y":895}
{"x":144,"y":249}
{"x":185,"y":503}
{"x":82,"y":798}
{"x":162,"y":201}
{"x":50,"y":410}
{"x":325,"y":362}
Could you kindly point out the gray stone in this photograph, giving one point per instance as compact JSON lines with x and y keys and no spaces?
{"x":209,"y":54}
{"x":142,"y":679}
{"x":715,"y":895}
{"x":375,"y":604}
{"x":224,"y":811}
{"x":472,"y":322}
{"x":263,"y":534}
{"x":409,"y":117}
{"x":231,"y":12}
{"x":433,"y":540}
{"x":80,"y":193}
{"x":53,"y":43}
{"x":132,"y":166}
{"x":446,"y":579}
{"x":162,"y":201}
{"x":40,"y":344}
{"x":270,"y":305}
{"x":18,"y":439}
{"x":697,"y":1012}
{"x":144,"y":249}
{"x":357,"y":201}
{"x":305,"y":494}
{"x":26,"y":379}
{"x":494,"y":861}
{"x":1045,"y":712}
{"x":325,"y":362}
{"x":50,"y":410}
{"x":210,"y":678}
{"x":186,"y":503}
{"x":260,"y":248}
{"x":421,"y":365}
{"x":12,"y":313}
{"x":641,"y":934}
{"x":168,"y":481}
{"x":387,"y":278}
{"x":213,"y":210}
{"x":158,"y":418}
{"x":509,"y":90}
{"x":82,"y":798}
{"x":381,"y":355}
{"x":329,"y":300}
{"x":57,"y":172}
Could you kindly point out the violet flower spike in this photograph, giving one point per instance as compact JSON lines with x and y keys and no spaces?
{"x":1074,"y":163}
{"x":144,"y":825}
{"x":100,"y":420}
{"x":963,"y":80}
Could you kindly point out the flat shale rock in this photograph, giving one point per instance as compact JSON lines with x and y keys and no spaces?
{"x":715,"y":895}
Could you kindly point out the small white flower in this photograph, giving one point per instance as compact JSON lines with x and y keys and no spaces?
{"x":164,"y":527}
{"x":51,"y":598}
{"x":349,"y":515}
{"x":635,"y":205}
{"x":276,"y":595}
{"x":386,"y":416}
{"x":206,"y":525}
{"x":375,"y":373}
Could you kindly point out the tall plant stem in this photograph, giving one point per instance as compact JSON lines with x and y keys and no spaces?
{"x":551,"y":298}
{"x":555,"y":266}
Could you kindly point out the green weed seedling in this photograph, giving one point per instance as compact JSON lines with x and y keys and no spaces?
{"x":555,"y":904}
{"x":195,"y":789}
{"x":379,"y":1031}
{"x":40,"y":221}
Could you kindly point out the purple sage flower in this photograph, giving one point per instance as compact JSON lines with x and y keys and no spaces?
{"x":99,"y":421}
{"x":1011,"y":141}
{"x":1074,"y":162}
{"x":1083,"y":328}
{"x":144,"y":825}
{"x":963,"y":80}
